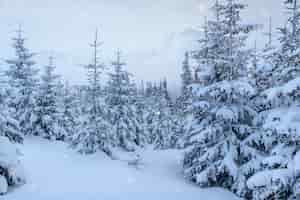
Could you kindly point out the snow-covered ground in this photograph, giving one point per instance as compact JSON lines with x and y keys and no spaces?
{"x":54,"y":172}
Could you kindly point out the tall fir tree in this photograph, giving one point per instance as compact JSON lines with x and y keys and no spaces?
{"x":69,"y":106}
{"x":93,"y":131}
{"x":139,"y":105}
{"x":120,"y":91}
{"x":186,"y":76}
{"x":163,"y":121}
{"x":47,"y":123}
{"x":287,"y":65}
{"x":186,"y":80}
{"x":278,"y":110}
{"x":219,"y":153}
{"x":22,"y":83}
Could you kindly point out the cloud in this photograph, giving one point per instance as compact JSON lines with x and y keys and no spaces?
{"x":140,"y":28}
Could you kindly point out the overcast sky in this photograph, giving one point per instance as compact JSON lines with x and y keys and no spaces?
{"x":149,"y":32}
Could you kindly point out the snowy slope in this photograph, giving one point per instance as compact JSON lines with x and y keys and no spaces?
{"x":55,"y":172}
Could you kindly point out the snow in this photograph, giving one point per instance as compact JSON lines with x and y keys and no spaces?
{"x":284,"y":120}
{"x":295,"y":164}
{"x":3,"y":185}
{"x":56,"y":172}
{"x":275,"y":160}
{"x":241,"y":87}
{"x":200,"y":105}
{"x":265,"y":178}
{"x":10,"y":163}
{"x":286,"y":89}
{"x":225,"y":113}
{"x":8,"y":153}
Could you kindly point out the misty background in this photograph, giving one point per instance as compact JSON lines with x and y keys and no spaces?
{"x":152,"y":34}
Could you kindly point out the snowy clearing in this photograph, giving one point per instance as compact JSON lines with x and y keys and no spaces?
{"x":56,"y":172}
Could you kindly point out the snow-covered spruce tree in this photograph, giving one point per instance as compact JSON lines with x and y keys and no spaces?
{"x":150,"y":111}
{"x":47,"y":123}
{"x":186,"y":80}
{"x":261,"y":67}
{"x":177,"y":137}
{"x":288,"y":56}
{"x":69,"y":110}
{"x":160,"y":116}
{"x":121,"y":113}
{"x":210,"y":68}
{"x":11,"y":173}
{"x":9,"y":126}
{"x":22,"y":83}
{"x":139,"y":105}
{"x":264,"y":71}
{"x":279,"y":175}
{"x":164,"y":120}
{"x":206,"y":72}
{"x":186,"y":76}
{"x":93,"y":131}
{"x":183,"y":102}
{"x":218,"y":152}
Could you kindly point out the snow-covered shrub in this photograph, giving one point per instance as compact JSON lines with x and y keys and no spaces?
{"x":11,"y":170}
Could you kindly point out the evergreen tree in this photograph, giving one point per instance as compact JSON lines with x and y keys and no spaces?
{"x":69,"y":110}
{"x":93,"y":131}
{"x":263,"y":77}
{"x":163,"y":119}
{"x":278,"y":109}
{"x":186,"y":80}
{"x":287,"y":58}
{"x":10,"y":173}
{"x":47,"y":123}
{"x":9,"y":126}
{"x":121,"y":111}
{"x":222,"y":125}
{"x":186,"y":76}
{"x":22,"y":84}
{"x":183,"y":102}
{"x":150,"y":111}
{"x":139,"y":105}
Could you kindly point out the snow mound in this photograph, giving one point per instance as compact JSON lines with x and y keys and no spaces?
{"x":10,"y":166}
{"x":3,"y":185}
{"x":266,"y":178}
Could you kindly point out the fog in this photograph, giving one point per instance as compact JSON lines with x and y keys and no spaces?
{"x":152,"y":34}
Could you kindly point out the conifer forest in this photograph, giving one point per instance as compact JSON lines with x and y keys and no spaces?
{"x":230,"y":131}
